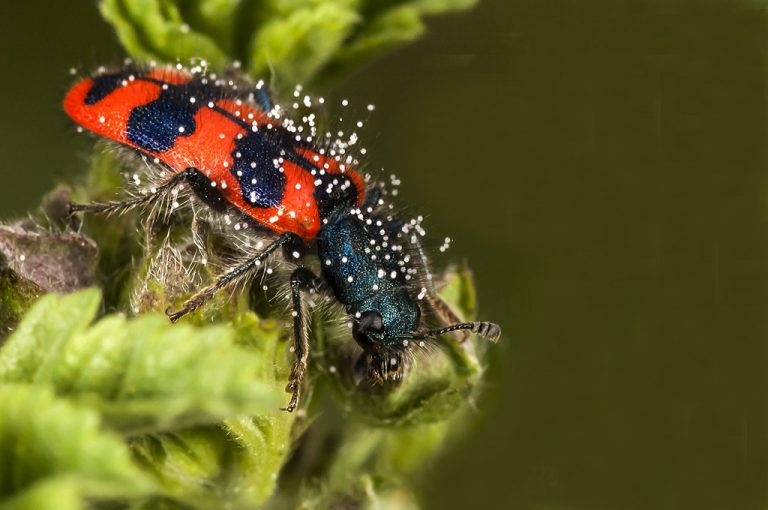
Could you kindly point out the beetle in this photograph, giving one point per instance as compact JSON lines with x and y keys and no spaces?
{"x":241,"y":155}
{"x":199,"y":128}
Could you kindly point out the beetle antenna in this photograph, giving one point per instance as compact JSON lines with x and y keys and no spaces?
{"x":488,"y":330}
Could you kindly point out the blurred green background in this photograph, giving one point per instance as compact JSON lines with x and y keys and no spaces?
{"x":602,"y":167}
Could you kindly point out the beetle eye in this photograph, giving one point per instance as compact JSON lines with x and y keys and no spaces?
{"x":367,"y":329}
{"x":371,"y":321}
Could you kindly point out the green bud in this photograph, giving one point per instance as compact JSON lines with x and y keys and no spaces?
{"x":286,"y":42}
{"x":438,"y":382}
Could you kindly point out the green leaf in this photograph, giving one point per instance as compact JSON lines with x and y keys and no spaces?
{"x":193,"y":464}
{"x":215,"y":18}
{"x":16,"y":296}
{"x":151,"y":29}
{"x":266,"y":440}
{"x":387,"y":30}
{"x":433,"y":7}
{"x":291,"y":41}
{"x":298,"y":46}
{"x":142,"y":374}
{"x":239,"y":462}
{"x":59,"y":493}
{"x":48,"y":324}
{"x":43,"y":437}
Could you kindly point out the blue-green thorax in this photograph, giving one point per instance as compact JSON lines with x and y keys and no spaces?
{"x":362,"y":263}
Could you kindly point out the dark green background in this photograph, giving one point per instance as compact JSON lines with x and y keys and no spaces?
{"x":601,"y":165}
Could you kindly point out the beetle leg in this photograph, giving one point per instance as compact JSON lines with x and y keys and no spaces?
{"x":438,"y":304}
{"x":121,"y":206}
{"x":228,"y":277}
{"x":262,"y":98}
{"x":302,"y":280}
{"x":373,"y":196}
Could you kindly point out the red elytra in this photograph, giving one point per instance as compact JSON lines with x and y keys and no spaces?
{"x":104,"y":104}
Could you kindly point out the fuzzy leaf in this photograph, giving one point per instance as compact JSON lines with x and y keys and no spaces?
{"x":142,"y":374}
{"x":238,"y":463}
{"x":42,"y":437}
{"x":54,"y":261}
{"x":116,"y":235}
{"x":266,"y":440}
